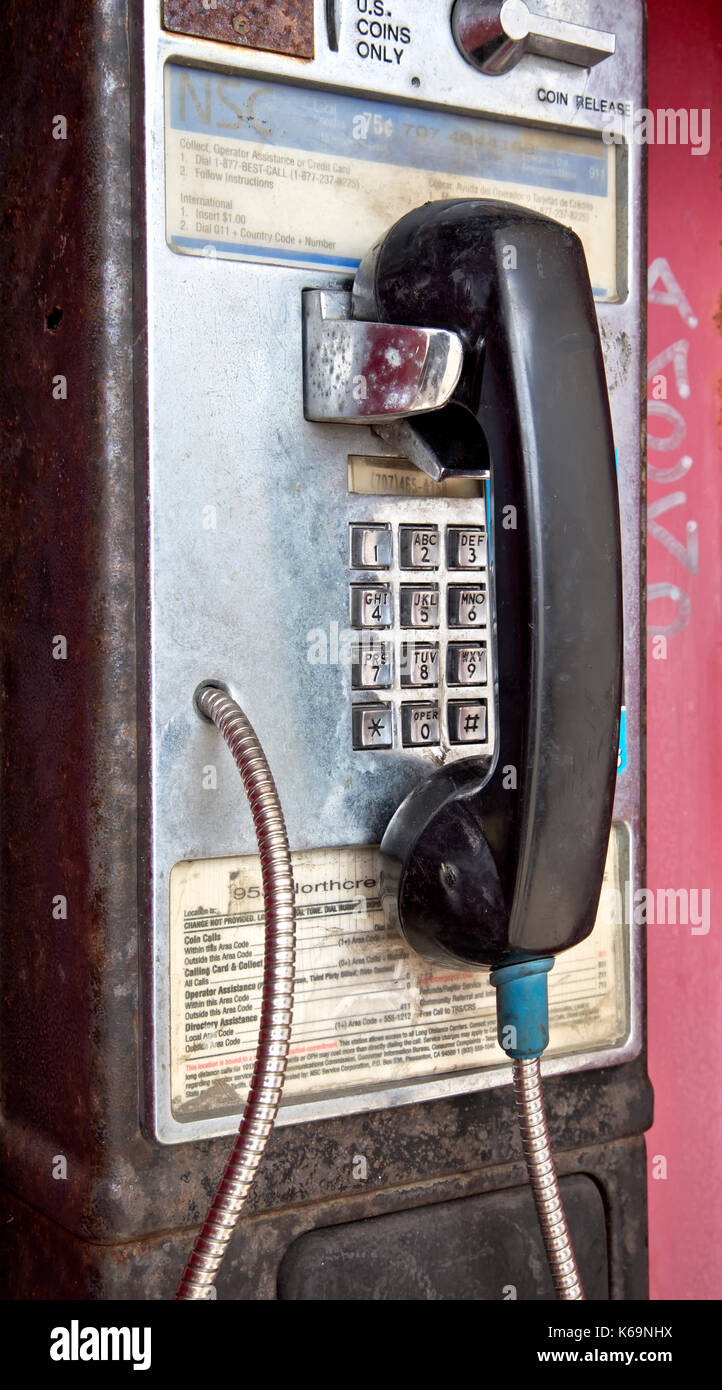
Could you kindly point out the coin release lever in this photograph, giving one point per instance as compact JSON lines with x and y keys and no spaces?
{"x":494,"y":34}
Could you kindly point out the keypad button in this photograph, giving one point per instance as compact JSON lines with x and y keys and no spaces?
{"x":418,"y":665}
{"x":419,"y":606}
{"x":419,"y":547}
{"x":371,"y":666}
{"x":467,"y":606}
{"x":419,"y":725}
{"x":370,"y":547}
{"x":466,"y":663}
{"x":467,"y":721}
{"x":372,"y":726}
{"x":466,"y":547}
{"x":370,"y":605}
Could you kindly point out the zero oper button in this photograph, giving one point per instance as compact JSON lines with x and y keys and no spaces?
{"x":419,"y":725}
{"x":466,"y":547}
{"x":370,"y":605}
{"x":372,"y":726}
{"x":419,"y":547}
{"x":467,"y":721}
{"x":419,"y":606}
{"x":370,"y":547}
{"x":466,"y":663}
{"x":467,"y":607}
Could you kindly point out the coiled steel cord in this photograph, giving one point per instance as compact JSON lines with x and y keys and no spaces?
{"x":277,"y":1002}
{"x":543,"y":1178}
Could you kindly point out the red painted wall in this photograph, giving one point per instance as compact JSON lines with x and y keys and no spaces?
{"x":684,"y":794}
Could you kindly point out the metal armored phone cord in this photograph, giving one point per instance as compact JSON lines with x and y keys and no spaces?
{"x":277,"y":1002}
{"x":523,"y":1030}
{"x":542,"y":1176}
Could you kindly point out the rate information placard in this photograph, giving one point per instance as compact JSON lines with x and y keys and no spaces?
{"x":266,"y":171}
{"x":367,"y":1009}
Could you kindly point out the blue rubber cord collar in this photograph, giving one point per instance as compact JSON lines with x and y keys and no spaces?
{"x":522,"y":1009}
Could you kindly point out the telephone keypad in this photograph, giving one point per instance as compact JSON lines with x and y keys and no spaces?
{"x":371,"y":666}
{"x":372,"y":726}
{"x":467,"y":722}
{"x":419,"y":725}
{"x":419,"y":644}
{"x":466,"y":547}
{"x":419,"y":547}
{"x":370,"y":547}
{"x":370,"y":605}
{"x":467,"y":606}
{"x":419,"y":606}
{"x":418,"y":665}
{"x":466,"y":663}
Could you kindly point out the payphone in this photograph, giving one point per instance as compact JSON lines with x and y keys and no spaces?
{"x":374,"y":250}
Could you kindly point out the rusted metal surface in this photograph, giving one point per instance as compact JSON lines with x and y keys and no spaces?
{"x":283,"y":27}
{"x":48,"y":1263}
{"x":69,"y":771}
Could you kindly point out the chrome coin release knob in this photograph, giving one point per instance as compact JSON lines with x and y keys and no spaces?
{"x":494,"y":34}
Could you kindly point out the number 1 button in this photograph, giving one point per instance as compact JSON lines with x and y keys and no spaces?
{"x":370,"y":547}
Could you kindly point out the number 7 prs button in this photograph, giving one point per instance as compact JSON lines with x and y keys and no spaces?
{"x":371,"y":665}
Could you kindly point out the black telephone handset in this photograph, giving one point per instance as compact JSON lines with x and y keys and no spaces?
{"x":487,"y":867}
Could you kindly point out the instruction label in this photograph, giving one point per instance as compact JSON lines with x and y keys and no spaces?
{"x":367,"y":1010}
{"x":266,"y":171}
